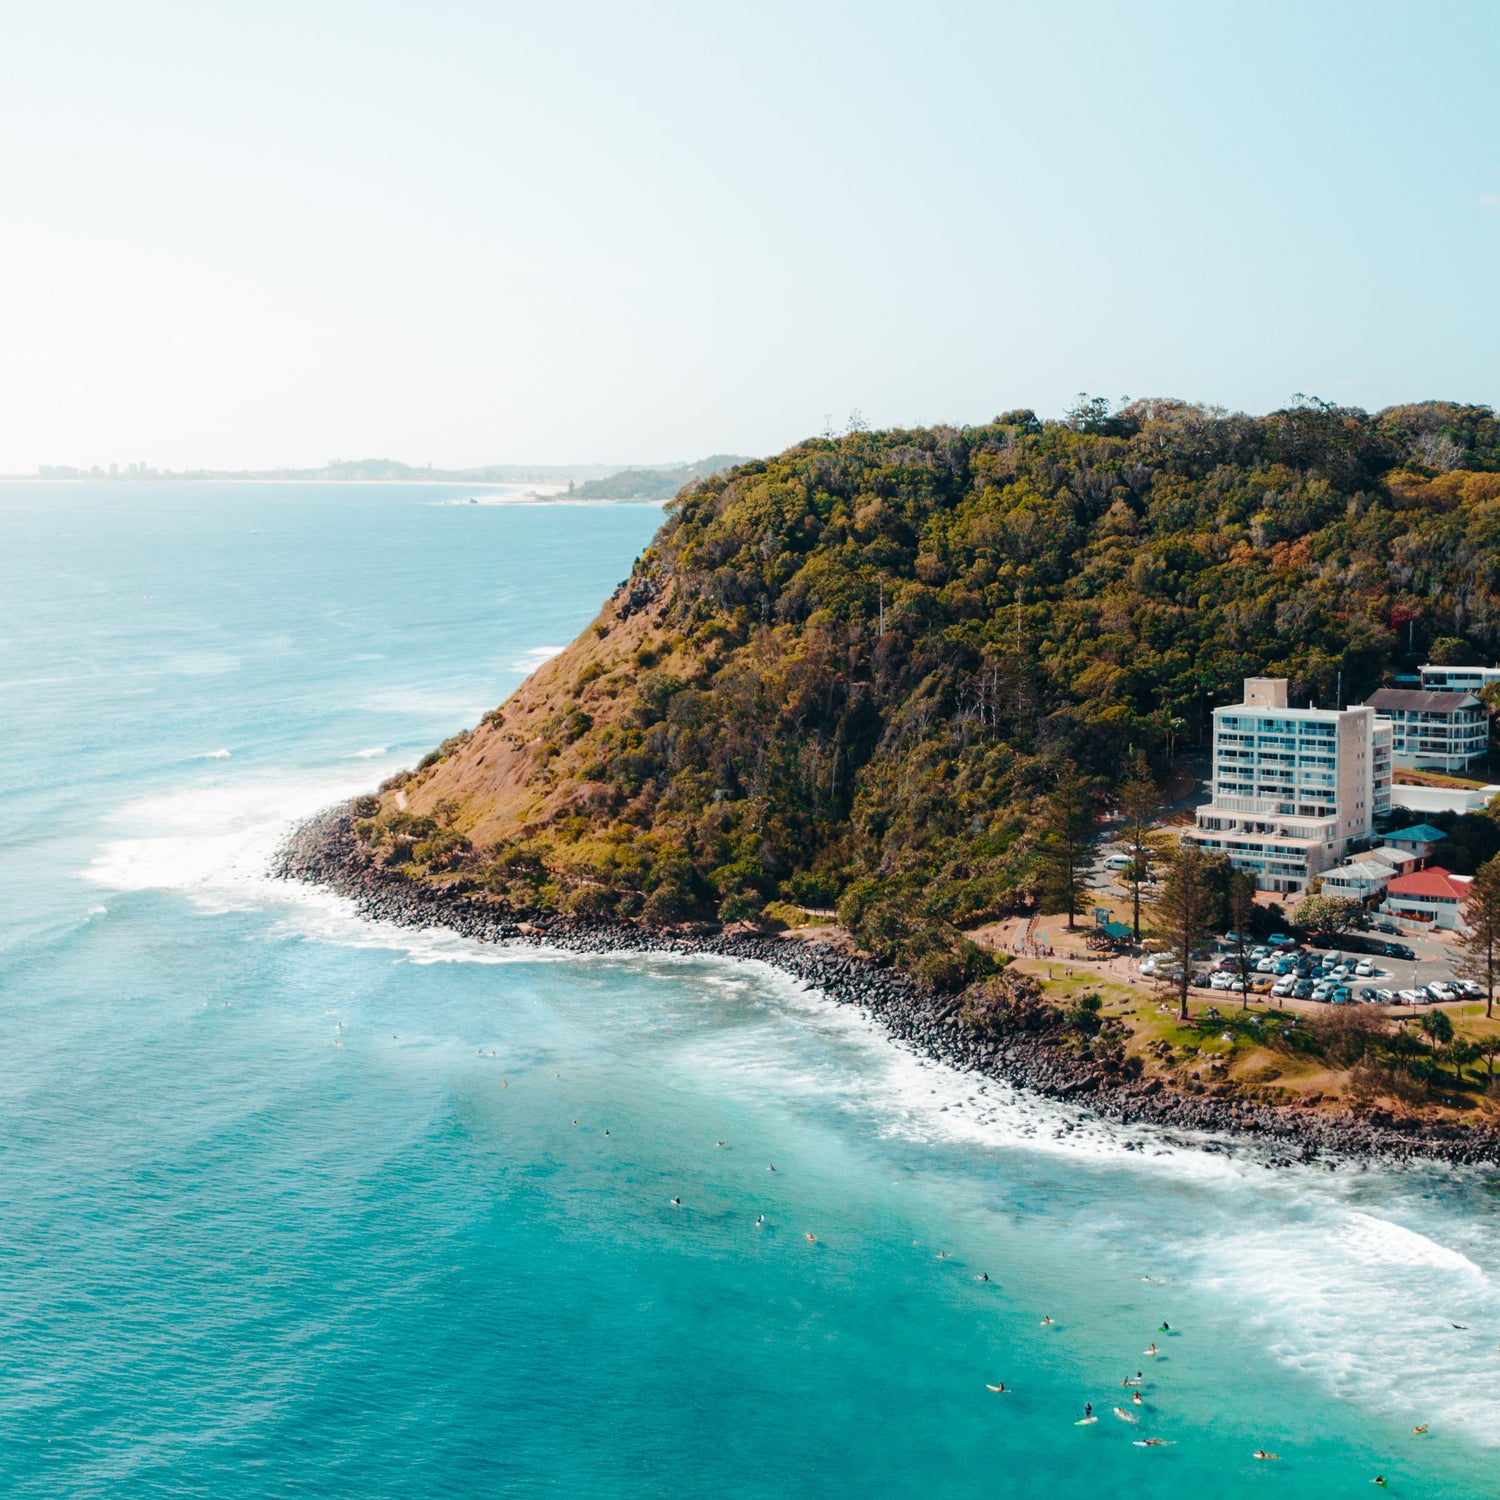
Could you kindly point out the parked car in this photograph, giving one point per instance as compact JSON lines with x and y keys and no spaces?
{"x":1468,"y":989}
{"x":1386,"y":997}
{"x":1412,"y":997}
{"x":1283,"y":988}
{"x":1368,"y":995}
{"x":1364,"y":967}
{"x":1281,"y":940}
{"x":1389,"y":927}
{"x":1398,"y":950}
{"x":1323,"y":990}
{"x":1341,"y":995}
{"x":1440,"y":990}
{"x":1266,"y":966}
{"x":1303,"y":989}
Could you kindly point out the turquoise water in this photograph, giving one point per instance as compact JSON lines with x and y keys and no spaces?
{"x":296,"y":1205}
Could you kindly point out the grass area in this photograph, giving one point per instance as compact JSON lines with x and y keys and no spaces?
{"x":1270,"y":1053}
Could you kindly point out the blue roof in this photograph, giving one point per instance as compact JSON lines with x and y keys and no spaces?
{"x":1418,"y":833}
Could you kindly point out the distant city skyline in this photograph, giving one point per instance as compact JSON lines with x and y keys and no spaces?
{"x":491,"y":233}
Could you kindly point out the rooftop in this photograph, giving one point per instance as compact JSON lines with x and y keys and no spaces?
{"x":1435,"y":883}
{"x":1418,"y":833}
{"x":1419,"y":701}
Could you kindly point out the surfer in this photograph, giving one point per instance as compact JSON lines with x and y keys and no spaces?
{"x":1046,"y":1322}
{"x":1261,"y":1453}
{"x":759,"y":1220}
{"x":1124,"y":1415}
{"x":1418,"y":1431}
{"x":998,"y":1388}
{"x":1152,"y":1350}
{"x":1380,"y":1480}
{"x":1135,"y":1399}
{"x":1165,"y":1328}
{"x":677,"y":1203}
{"x":982,"y":1276}
{"x":1151,"y":1442}
{"x":1088,"y":1408}
{"x":811,"y":1238}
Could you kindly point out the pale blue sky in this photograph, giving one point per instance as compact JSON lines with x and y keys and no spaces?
{"x":279,"y":233}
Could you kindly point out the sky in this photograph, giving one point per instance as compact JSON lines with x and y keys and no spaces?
{"x":459,"y":233}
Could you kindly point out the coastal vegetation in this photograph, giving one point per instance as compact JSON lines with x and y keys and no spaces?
{"x":898,"y":674}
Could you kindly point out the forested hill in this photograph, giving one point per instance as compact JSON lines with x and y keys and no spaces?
{"x":855,"y":673}
{"x":653,"y":484}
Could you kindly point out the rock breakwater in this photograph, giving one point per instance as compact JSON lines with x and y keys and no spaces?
{"x":325,"y":852}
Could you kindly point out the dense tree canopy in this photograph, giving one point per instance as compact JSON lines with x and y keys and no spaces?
{"x":868,"y":662}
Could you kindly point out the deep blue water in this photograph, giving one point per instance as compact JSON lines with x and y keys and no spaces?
{"x":295,"y":1205}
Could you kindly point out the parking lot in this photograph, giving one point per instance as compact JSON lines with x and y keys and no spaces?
{"x":1434,"y":959}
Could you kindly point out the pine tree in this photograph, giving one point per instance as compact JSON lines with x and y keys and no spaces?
{"x":1480,"y":945}
{"x":1064,"y":844}
{"x":1139,"y":799}
{"x":1184,"y":913}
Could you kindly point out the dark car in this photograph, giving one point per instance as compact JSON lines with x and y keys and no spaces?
{"x":1386,"y":927}
{"x":1398,"y":950}
{"x":1303,"y":989}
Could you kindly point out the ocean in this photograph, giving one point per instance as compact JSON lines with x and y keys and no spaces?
{"x":296,"y":1204}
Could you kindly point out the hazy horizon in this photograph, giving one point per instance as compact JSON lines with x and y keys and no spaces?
{"x":475,"y":234}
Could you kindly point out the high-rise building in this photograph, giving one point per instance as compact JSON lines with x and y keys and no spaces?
{"x":1434,"y":730}
{"x":1292,"y":787}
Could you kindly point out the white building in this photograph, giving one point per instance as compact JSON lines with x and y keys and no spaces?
{"x":1459,"y":679}
{"x":1433,"y":897}
{"x":1433,"y":730}
{"x":1358,"y":879}
{"x":1292,"y":787}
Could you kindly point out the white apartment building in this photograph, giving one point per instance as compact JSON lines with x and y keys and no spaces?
{"x":1292,"y":787}
{"x":1433,"y":730}
{"x":1459,"y":679}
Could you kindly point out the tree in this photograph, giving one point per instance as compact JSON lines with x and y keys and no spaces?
{"x":1183,"y":912}
{"x":1139,"y":799}
{"x":1064,"y":844}
{"x":1439,"y":1029}
{"x":1330,"y":914}
{"x":1480,"y":945}
{"x":1488,"y":1047}
{"x":1241,"y":909}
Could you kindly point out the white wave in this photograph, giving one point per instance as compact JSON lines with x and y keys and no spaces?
{"x":1366,"y":1307}
{"x":213,"y":843}
{"x":214,"y":755}
{"x":531,"y":659}
{"x":370,"y":753}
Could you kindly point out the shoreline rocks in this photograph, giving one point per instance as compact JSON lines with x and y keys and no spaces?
{"x":324,"y":851}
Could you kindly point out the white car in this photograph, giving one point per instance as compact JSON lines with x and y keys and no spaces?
{"x":1439,"y":990}
{"x":1284,"y":986}
{"x":1364,"y":968}
{"x":1411,"y":997}
{"x":1118,"y":862}
{"x":1266,"y":966}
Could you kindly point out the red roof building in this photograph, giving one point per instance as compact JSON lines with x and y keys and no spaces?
{"x":1430,"y":897}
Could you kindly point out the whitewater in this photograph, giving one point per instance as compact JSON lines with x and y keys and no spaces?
{"x":303,"y":1203}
